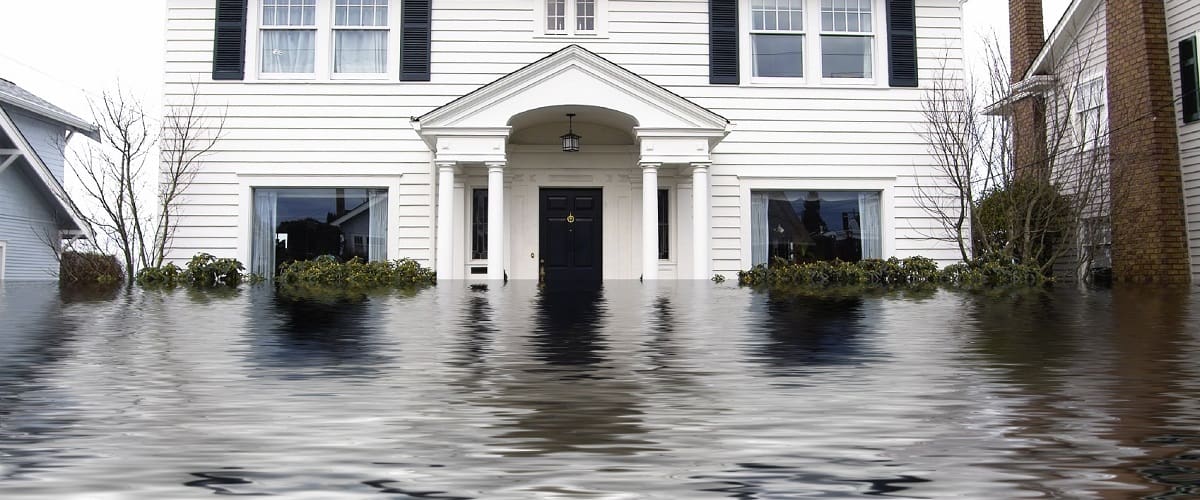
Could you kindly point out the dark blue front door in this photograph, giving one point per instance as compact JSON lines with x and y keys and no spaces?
{"x":571,"y":235}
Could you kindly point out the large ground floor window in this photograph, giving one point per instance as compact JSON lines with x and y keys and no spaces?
{"x":806,"y":226}
{"x":305,"y":223}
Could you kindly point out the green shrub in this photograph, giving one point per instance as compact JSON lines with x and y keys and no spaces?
{"x":203,"y":271}
{"x":159,"y":277}
{"x":909,"y":272}
{"x":207,"y":271}
{"x":327,"y":271}
{"x":89,"y":268}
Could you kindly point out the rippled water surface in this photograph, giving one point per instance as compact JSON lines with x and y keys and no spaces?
{"x":633,"y":391}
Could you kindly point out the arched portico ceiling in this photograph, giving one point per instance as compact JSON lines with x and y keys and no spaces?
{"x":572,"y":76}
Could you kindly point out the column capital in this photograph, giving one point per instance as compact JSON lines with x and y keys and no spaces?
{"x":495,"y":165}
{"x":649,"y":165}
{"x":444,"y":165}
{"x":702,"y":164}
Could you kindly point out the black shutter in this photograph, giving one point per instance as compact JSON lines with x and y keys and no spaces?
{"x":229,"y":41}
{"x":416,"y":17}
{"x":723,"y":42}
{"x":902,"y":43}
{"x":1189,"y":87}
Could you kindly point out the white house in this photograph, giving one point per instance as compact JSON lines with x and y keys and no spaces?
{"x":712,"y":134}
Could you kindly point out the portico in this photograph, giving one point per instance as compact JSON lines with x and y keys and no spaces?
{"x":637,"y":138}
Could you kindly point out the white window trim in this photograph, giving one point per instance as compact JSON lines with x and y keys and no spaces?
{"x":248,"y":182}
{"x":813,"y":75}
{"x":601,"y":21}
{"x":1077,"y":124}
{"x":885,"y":186}
{"x":469,"y":201}
{"x":323,"y":57}
{"x":3,"y":257}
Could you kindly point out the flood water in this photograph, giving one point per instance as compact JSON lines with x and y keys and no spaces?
{"x":688,"y":391}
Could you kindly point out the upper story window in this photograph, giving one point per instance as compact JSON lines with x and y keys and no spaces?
{"x":571,"y":17}
{"x":1091,"y":120}
{"x":847,"y":36}
{"x":304,"y":39}
{"x":360,"y":36}
{"x":777,"y":32}
{"x":833,"y":41}
{"x":289,"y":36}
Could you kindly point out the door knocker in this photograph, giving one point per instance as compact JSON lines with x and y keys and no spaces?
{"x":571,"y":218}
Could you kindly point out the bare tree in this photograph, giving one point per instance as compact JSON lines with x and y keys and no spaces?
{"x":137,"y":219}
{"x":112,"y":177}
{"x":1038,"y":213}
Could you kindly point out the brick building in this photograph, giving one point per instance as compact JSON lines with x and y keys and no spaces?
{"x":1117,"y":79}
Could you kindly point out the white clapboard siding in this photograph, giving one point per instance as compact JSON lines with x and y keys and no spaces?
{"x":324,"y":129}
{"x":1183,"y":20}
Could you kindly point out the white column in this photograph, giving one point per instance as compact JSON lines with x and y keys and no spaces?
{"x":496,"y":230}
{"x":650,"y":221}
{"x":445,"y":221}
{"x":700,"y":222}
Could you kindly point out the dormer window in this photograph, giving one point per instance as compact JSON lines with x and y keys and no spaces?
{"x":571,"y":17}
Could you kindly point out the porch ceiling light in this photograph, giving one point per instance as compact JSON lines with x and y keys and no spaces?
{"x":570,"y":141}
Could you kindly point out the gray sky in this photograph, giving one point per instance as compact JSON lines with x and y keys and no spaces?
{"x":66,"y":50}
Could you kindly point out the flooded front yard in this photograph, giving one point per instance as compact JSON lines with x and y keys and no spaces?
{"x":631,"y":391}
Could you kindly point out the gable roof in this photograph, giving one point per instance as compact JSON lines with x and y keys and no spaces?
{"x":41,"y":172}
{"x":13,"y":95}
{"x":615,"y":78}
{"x":1065,"y":32}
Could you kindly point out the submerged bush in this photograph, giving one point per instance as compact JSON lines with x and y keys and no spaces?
{"x":328,"y":271}
{"x":207,"y":271}
{"x":203,"y":271}
{"x":89,"y":268}
{"x":892,"y":272}
{"x":159,"y":277}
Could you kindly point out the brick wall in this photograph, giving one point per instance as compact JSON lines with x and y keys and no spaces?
{"x":1149,"y":230}
{"x":1029,"y":113}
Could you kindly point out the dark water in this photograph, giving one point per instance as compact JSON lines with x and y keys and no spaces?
{"x":635,"y":391}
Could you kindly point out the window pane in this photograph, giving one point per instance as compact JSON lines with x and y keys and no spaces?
{"x":807,"y":226}
{"x":779,"y":55}
{"x":360,"y":51}
{"x":303,"y":224}
{"x":556,"y":15}
{"x":360,"y":13}
{"x":848,"y":16}
{"x":289,"y":12}
{"x":777,"y":15}
{"x":846,"y":56}
{"x":479,"y":220}
{"x":288,"y":51}
{"x":585,"y":15}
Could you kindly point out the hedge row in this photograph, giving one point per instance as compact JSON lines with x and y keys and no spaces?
{"x":355,"y":273}
{"x":892,"y":272}
{"x":89,"y":268}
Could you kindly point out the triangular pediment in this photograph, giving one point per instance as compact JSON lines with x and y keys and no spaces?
{"x":573,"y":76}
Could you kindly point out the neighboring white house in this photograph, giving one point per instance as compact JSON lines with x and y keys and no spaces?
{"x":713,"y":135}
{"x":35,"y":211}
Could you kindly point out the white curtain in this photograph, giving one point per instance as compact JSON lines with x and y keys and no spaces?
{"x":869,"y":214}
{"x":377,"y":250}
{"x":360,"y":51}
{"x":759,"y":228}
{"x":288,"y":51}
{"x":266,"y":220}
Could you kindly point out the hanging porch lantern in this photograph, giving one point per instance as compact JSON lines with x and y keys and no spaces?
{"x":570,"y":141}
